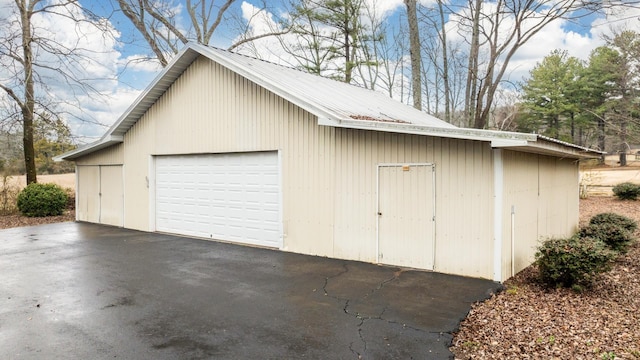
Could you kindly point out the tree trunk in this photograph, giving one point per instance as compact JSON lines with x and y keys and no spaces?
{"x":29,"y":102}
{"x":347,"y":55}
{"x":601,"y":137}
{"x":623,"y":143}
{"x":472,"y":77}
{"x":445,"y":65}
{"x":573,"y":127}
{"x":414,"y":51}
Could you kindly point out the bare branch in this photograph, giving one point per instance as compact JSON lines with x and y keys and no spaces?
{"x":12,"y":95}
{"x":257,"y":37}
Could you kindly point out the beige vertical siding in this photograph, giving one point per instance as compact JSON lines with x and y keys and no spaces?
{"x":111,"y":195}
{"x":463,"y":196}
{"x":558,"y":209}
{"x":543,"y":192}
{"x":328,"y":174}
{"x":113,"y":155}
{"x":88,"y":193}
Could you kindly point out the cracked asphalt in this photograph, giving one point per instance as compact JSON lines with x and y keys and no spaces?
{"x":86,"y":291}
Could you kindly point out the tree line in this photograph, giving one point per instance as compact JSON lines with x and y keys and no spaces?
{"x":592,"y":103}
{"x":448,"y":58}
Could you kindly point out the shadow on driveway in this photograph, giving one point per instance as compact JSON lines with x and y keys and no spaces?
{"x":77,"y":290}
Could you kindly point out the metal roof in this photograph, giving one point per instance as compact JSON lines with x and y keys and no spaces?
{"x":334,"y":103}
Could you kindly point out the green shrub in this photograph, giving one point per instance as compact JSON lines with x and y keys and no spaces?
{"x":618,"y":220}
{"x":39,"y":200}
{"x":573,"y":261}
{"x":615,"y":237}
{"x":627,"y":191}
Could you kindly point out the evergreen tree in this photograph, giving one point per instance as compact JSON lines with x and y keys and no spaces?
{"x":549,"y":104}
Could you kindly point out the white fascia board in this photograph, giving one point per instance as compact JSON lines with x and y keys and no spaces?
{"x":104,"y":142}
{"x":501,"y":143}
{"x":551,"y":149}
{"x":455,"y":133}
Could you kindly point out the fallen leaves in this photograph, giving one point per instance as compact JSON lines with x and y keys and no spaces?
{"x":528,"y":321}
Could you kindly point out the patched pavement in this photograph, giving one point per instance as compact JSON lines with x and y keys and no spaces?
{"x":85,"y":291}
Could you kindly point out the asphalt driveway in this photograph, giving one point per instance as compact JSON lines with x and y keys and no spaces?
{"x":84,"y":291}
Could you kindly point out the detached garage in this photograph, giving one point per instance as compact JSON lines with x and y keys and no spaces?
{"x":227,"y":147}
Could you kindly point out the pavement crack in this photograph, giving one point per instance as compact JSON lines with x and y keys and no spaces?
{"x":344,"y":270}
{"x":364,"y":342}
{"x":396,"y":275}
{"x":362,"y":319}
{"x":405,"y":326}
{"x":354,"y":351}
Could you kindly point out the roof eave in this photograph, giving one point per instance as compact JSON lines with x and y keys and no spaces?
{"x":522,"y":142}
{"x":457,"y":133}
{"x":546,"y":146}
{"x":104,"y":142}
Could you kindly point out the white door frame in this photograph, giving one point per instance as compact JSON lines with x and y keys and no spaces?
{"x":433,"y":174}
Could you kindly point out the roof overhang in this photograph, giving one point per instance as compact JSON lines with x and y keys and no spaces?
{"x":531,"y":143}
{"x":552,"y":148}
{"x":104,"y":142}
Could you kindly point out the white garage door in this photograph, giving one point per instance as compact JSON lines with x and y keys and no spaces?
{"x":233,"y":197}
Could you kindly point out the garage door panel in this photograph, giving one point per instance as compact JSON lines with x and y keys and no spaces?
{"x":233,"y":197}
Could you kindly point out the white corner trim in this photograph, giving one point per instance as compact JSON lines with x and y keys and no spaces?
{"x":151,"y":191}
{"x":498,"y":188}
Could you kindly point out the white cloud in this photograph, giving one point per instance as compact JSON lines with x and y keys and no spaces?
{"x":384,"y":8}
{"x":103,"y":111}
{"x":555,"y":35}
{"x":139,"y":63}
{"x":96,"y":63}
{"x":267,"y":48}
{"x":616,"y":19}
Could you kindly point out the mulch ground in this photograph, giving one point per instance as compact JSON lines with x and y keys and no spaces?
{"x":529,"y":321}
{"x":11,"y":221}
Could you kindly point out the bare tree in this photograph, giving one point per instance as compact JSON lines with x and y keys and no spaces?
{"x":383,"y":70}
{"x":414,"y":51}
{"x":623,"y":100}
{"x":498,"y":30}
{"x":475,"y":9}
{"x":32,"y":59}
{"x":158,"y":23}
